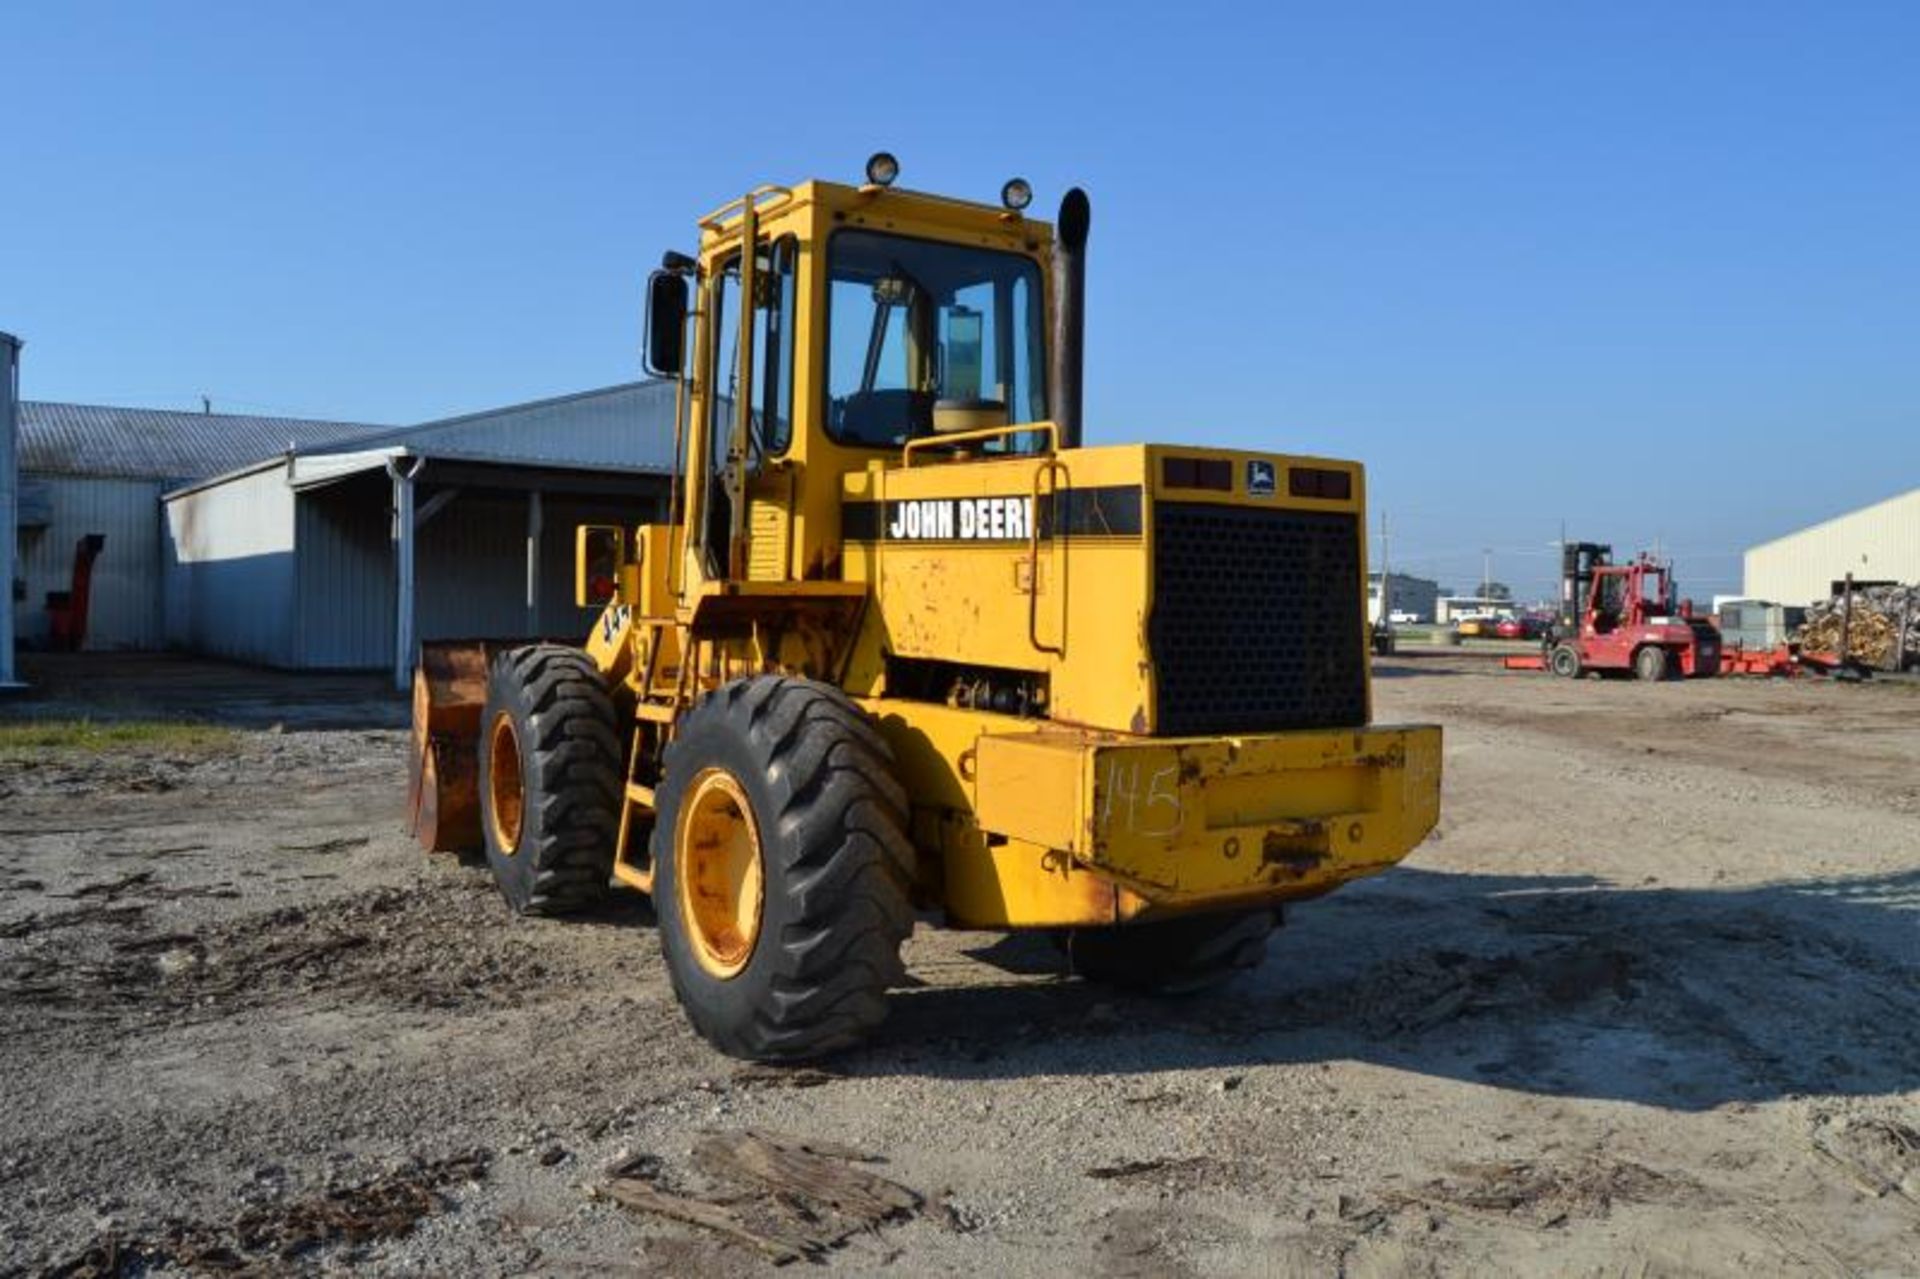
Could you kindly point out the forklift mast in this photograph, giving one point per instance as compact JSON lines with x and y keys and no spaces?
{"x":1578,"y":560}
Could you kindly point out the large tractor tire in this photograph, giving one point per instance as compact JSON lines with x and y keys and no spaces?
{"x":549,"y":779}
{"x":1171,"y":956}
{"x":1652,"y":663}
{"x":781,"y":869}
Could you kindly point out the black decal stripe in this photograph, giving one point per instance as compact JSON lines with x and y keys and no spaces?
{"x":860,"y":521}
{"x":1113,"y":511}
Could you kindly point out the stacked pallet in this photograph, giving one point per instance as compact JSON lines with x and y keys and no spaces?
{"x":1882,"y":628}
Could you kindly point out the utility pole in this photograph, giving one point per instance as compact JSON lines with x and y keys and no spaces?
{"x":1486,"y":573}
{"x":1386,"y":576}
{"x":9,"y":496}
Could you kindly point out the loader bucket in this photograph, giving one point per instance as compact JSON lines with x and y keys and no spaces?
{"x":443,"y":765}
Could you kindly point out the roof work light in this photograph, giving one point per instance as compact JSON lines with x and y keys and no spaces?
{"x":882,"y":168}
{"x":1016,"y":194}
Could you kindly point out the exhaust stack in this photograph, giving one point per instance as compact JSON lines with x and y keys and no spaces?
{"x":1069,"y":313}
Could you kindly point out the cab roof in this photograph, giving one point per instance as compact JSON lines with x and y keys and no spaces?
{"x":883,"y":208}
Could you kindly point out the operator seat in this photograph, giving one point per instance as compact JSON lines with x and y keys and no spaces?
{"x":884,"y":417}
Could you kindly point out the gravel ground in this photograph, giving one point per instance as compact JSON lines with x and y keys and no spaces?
{"x":1645,"y":1004}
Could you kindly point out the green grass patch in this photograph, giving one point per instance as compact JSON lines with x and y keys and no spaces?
{"x":21,"y":737}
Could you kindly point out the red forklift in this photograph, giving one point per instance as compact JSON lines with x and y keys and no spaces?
{"x":1617,"y":619}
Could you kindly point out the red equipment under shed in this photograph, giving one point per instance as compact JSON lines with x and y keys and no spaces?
{"x":67,"y":610}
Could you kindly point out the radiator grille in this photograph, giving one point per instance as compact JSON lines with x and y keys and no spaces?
{"x":1258,"y":622}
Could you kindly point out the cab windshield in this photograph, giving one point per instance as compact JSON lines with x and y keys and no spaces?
{"x":927,"y":337}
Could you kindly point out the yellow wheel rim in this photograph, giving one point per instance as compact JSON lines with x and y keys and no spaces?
{"x":717,"y":872}
{"x":506,"y":793}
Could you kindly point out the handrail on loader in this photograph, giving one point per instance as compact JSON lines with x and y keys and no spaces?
{"x":1051,"y":431}
{"x":764,"y":198}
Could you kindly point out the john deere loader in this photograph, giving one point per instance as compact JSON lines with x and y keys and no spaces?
{"x":907,"y":648}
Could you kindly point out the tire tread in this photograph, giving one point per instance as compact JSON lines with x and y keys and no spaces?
{"x":836,"y":844}
{"x":573,"y":752}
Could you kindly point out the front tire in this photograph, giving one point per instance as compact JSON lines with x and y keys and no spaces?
{"x":1564,"y":661}
{"x":1171,"y":956}
{"x":1652,"y":663}
{"x":549,"y":779}
{"x":781,"y":869}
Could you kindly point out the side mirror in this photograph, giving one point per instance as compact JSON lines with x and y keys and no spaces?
{"x":666,"y":323}
{"x":600,"y":551}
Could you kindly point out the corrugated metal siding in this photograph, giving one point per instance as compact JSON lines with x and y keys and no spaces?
{"x":346,"y":577}
{"x":95,"y":440}
{"x":230,"y":569}
{"x":1879,"y":542}
{"x":125,"y":604}
{"x":558,"y":615}
{"x":470,"y":571}
{"x":472,"y":575}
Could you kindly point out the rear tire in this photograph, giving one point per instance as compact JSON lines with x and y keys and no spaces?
{"x":549,"y":779}
{"x":1170,"y":956}
{"x":1652,"y":663}
{"x":1564,"y":661}
{"x":781,"y":869}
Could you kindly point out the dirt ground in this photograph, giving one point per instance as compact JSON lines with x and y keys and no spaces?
{"x":1647,"y":1003}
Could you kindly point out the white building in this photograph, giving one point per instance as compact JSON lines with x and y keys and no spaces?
{"x":90,"y":469}
{"x":1417,"y":596}
{"x":1876,"y":543}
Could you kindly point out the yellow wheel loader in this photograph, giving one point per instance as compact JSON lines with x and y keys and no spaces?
{"x":907,"y":648}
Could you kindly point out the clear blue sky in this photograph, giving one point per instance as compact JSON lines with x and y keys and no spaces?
{"x":1652,"y":268}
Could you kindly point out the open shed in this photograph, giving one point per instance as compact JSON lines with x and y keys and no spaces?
{"x":346,"y":557}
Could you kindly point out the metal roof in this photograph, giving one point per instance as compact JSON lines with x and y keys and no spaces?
{"x":617,"y":428}
{"x":161,"y":444}
{"x":627,"y":427}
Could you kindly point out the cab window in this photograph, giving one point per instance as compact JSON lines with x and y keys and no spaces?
{"x":925,"y":337}
{"x":770,"y":390}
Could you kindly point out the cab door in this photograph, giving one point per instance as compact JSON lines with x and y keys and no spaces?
{"x":766,"y":330}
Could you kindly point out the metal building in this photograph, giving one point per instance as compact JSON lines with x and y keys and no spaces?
{"x":346,"y":555}
{"x":1876,"y":543}
{"x":9,"y":496}
{"x":89,"y":469}
{"x":1405,"y":593}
